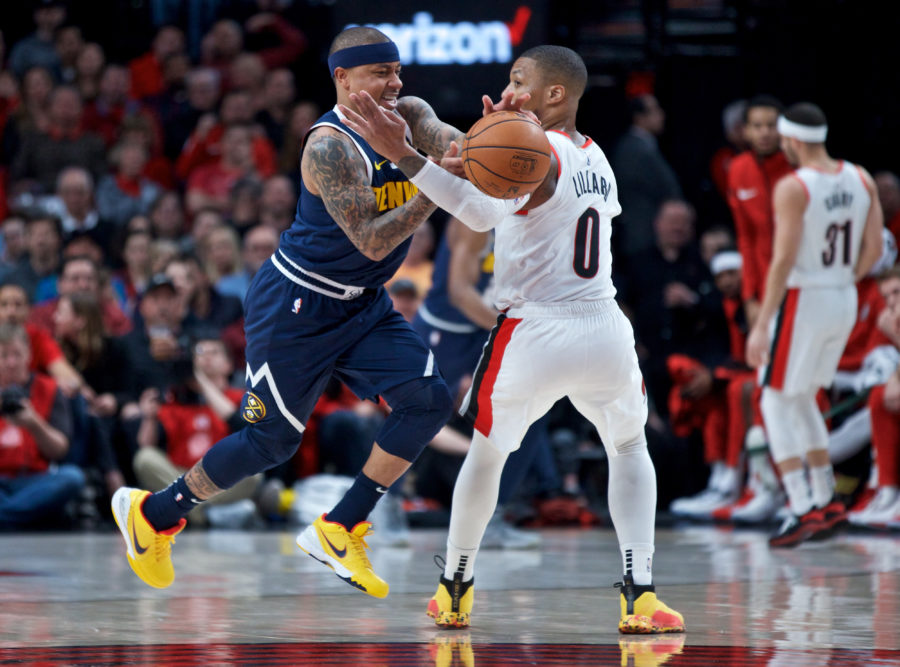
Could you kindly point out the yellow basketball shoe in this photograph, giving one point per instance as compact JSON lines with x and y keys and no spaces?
{"x":344,"y":551}
{"x":451,"y":605}
{"x":643,"y":613}
{"x":649,"y":651}
{"x":149,"y":551}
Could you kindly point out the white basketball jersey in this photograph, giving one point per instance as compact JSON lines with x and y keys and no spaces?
{"x":832,"y":227}
{"x":560,"y":251}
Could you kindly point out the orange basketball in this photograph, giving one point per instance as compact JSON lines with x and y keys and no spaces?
{"x":506,"y":154}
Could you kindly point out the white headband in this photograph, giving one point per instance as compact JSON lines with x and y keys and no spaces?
{"x":727,"y":260}
{"x":811,"y":134}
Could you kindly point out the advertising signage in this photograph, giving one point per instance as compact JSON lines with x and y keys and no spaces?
{"x":452,"y":55}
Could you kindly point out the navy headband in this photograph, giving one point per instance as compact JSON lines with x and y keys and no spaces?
{"x":367,"y":54}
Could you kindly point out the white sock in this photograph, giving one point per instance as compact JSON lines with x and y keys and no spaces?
{"x":821,"y":481}
{"x":798,"y":491}
{"x":637,"y":560}
{"x":632,"y":507}
{"x":474,"y":501}
{"x":460,"y":560}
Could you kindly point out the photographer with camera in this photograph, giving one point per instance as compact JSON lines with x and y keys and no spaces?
{"x":178,"y":428}
{"x":35,"y":424}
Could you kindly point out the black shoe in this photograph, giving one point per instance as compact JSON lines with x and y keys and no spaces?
{"x":797,"y":529}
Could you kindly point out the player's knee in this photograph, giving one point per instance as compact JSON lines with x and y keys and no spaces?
{"x":274,"y":443}
{"x":634,"y":445}
{"x":418,"y":411}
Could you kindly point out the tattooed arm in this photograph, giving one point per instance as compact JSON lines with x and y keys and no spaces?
{"x":430,"y":134}
{"x":333,"y":169}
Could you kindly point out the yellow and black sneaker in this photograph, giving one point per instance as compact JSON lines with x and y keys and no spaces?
{"x":149,"y":551}
{"x":643,"y":613}
{"x":344,"y":551}
{"x":451,"y":605}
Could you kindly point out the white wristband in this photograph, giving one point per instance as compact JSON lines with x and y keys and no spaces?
{"x":463,"y":200}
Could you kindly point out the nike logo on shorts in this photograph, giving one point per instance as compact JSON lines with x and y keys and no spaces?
{"x":137,"y":545}
{"x":340,"y":553}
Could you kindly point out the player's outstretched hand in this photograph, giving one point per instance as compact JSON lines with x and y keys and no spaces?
{"x":508,"y":102}
{"x":384,"y":131}
{"x":452,"y":162}
{"x":758,"y":347}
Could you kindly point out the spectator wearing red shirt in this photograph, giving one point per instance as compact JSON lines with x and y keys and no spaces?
{"x":205,"y":144}
{"x":147,"y":77}
{"x":80,"y":274}
{"x":46,"y":355}
{"x":751,"y":180}
{"x":177,"y":430}
{"x":882,"y":507}
{"x":210,"y":185}
{"x":889,"y":195}
{"x":105,"y":114}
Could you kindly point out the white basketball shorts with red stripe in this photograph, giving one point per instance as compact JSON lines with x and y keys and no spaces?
{"x":808,"y":338}
{"x":539,"y":353}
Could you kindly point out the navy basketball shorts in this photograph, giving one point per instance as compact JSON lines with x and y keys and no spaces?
{"x":298,"y":338}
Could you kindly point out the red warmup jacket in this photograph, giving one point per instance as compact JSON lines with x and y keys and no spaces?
{"x":751,"y":181}
{"x":866,"y":335}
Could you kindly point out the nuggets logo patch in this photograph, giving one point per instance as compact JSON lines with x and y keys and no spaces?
{"x":254,"y":409}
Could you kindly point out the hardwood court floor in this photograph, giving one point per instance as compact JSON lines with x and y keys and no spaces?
{"x":252,"y":598}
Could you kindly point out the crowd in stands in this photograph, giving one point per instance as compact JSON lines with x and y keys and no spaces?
{"x":138,"y":199}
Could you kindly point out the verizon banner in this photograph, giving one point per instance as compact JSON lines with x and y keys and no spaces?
{"x":452,"y":55}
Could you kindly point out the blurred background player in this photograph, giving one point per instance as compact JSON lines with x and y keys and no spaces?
{"x":828,"y":224}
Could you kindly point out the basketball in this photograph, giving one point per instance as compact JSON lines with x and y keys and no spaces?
{"x":506,"y":154}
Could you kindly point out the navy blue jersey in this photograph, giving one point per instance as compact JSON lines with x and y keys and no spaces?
{"x":316,"y":243}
